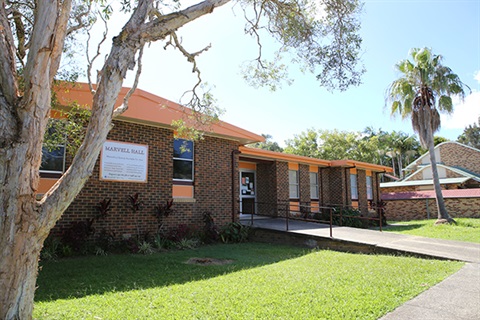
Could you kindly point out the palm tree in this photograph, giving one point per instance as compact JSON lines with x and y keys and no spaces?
{"x":425,"y":88}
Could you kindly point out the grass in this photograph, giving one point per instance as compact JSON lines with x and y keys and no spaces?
{"x":263,"y":282}
{"x":466,"y":229}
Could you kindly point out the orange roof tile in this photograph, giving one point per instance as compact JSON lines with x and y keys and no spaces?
{"x":147,"y":108}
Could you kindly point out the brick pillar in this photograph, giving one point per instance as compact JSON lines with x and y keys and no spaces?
{"x":304,"y":185}
{"x":362,"y":191}
{"x":324,"y":186}
{"x":283,"y":194}
{"x":339,"y":187}
{"x":267,"y":189}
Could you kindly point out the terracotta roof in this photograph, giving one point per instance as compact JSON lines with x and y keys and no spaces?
{"x":147,"y":108}
{"x":430,"y":194}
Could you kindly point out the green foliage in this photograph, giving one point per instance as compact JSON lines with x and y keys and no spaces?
{"x":394,"y":149}
{"x":471,"y":135}
{"x":145,"y":247}
{"x":424,"y":88}
{"x":465,"y":229}
{"x":349,"y":218}
{"x":160,"y":242}
{"x":50,"y":248}
{"x":185,"y":244}
{"x":267,"y":145}
{"x":69,"y":130}
{"x":234,"y":232}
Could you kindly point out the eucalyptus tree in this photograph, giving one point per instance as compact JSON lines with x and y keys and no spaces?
{"x":268,"y":144}
{"x":321,"y":36}
{"x":471,"y":135}
{"x":425,"y":88}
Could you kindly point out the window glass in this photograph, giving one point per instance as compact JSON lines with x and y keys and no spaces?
{"x":183,"y":149}
{"x":353,"y":186}
{"x":313,"y":185}
{"x":293,"y":181}
{"x":183,"y":159}
{"x":369,"y":188}
{"x":53,"y":160}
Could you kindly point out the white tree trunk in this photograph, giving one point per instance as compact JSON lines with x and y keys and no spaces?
{"x":25,"y":222}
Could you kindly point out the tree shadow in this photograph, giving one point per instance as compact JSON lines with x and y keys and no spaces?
{"x":82,"y":276}
{"x":405,"y":227}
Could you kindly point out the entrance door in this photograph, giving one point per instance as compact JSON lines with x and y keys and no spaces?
{"x":247,"y":192}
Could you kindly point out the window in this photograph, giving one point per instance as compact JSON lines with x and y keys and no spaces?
{"x":53,"y":160}
{"x":353,"y":186}
{"x":369,"y":188}
{"x":313,"y":185}
{"x":183,"y":160}
{"x":293,"y":184}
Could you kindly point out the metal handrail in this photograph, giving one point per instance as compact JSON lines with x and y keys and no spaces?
{"x":306,"y":210}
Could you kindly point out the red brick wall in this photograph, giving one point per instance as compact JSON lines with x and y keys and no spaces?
{"x":416,"y":209}
{"x":212,"y":185}
{"x":304,"y":184}
{"x":456,"y":155}
{"x":267,"y":188}
{"x":283,"y":194}
{"x":338,"y":186}
{"x":362,"y":191}
{"x":213,"y":180}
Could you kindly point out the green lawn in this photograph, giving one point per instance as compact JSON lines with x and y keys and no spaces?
{"x":466,"y":229}
{"x":263,"y":282}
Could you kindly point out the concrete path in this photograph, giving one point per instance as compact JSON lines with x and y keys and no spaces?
{"x":457,"y":297}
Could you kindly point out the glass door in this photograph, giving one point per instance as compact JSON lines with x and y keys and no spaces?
{"x":247,"y":192}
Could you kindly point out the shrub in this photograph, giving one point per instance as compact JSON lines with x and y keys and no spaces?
{"x":234,"y":232}
{"x":211,"y":233}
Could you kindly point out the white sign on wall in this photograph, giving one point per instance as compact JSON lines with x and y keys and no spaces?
{"x":122,"y":161}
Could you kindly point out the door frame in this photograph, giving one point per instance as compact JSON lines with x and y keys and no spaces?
{"x":241,"y":196}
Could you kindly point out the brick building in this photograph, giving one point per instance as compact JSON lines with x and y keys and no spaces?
{"x":218,"y":174}
{"x":459,"y":172}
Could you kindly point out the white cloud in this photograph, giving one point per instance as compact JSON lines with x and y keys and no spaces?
{"x":477,"y":76}
{"x":464,"y":113}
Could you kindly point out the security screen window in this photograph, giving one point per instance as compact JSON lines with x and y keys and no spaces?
{"x":369,"y":188}
{"x":53,"y":160}
{"x":293,"y":184}
{"x":313,"y":185}
{"x":183,"y":160}
{"x":353,"y":186}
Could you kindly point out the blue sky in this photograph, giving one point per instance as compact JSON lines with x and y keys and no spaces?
{"x":389,"y":29}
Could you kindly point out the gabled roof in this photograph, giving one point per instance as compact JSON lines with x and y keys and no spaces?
{"x":428,"y":182}
{"x":458,"y":171}
{"x":149,"y":109}
{"x":430,"y":194}
{"x":417,"y":162}
{"x":261,"y":154}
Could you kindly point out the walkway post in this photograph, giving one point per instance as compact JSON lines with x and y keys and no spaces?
{"x":331,"y":221}
{"x":287,"y":214}
{"x":251,"y":215}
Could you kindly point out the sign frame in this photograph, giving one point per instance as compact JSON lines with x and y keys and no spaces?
{"x":118,"y":159}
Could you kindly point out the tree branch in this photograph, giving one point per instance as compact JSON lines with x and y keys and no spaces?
{"x":97,"y":54}
{"x":8,"y":72}
{"x":160,"y":27}
{"x":121,"y":109}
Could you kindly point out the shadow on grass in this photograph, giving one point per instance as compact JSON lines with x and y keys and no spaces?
{"x":403,"y":227}
{"x":82,"y":276}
